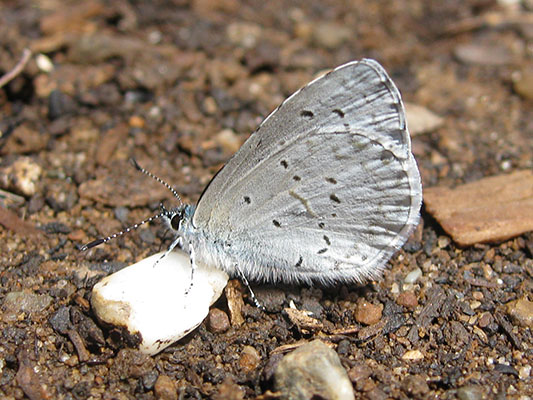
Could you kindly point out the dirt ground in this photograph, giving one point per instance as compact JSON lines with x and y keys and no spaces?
{"x":179,"y":86}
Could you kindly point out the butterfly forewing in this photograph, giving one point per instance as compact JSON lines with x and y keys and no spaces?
{"x":326,"y":188}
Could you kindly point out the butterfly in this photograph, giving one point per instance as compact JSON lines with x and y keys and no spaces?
{"x":324,"y":191}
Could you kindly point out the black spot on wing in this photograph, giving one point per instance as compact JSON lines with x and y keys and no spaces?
{"x":326,"y":239}
{"x":276,"y":223}
{"x":247,"y":200}
{"x":340,"y":113}
{"x":296,"y":178}
{"x":322,"y":251}
{"x":299,"y":263}
{"x":333,"y":197}
{"x":331,"y":180}
{"x":307,"y":114}
{"x":321,"y":225}
{"x":284,"y":164}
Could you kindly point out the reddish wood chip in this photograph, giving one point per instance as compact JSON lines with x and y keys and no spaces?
{"x":11,"y":221}
{"x":489,"y":210}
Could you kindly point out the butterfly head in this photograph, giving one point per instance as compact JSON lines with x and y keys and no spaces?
{"x":179,"y":218}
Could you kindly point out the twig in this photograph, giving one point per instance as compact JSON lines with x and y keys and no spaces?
{"x":26,"y":54}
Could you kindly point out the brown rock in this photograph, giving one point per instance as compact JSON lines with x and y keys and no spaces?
{"x":407,"y":299}
{"x":523,"y":85}
{"x":24,"y":139}
{"x":217,"y":321}
{"x":491,"y":209}
{"x":415,"y":385}
{"x":228,"y":390}
{"x":485,"y":320}
{"x":483,"y":54}
{"x":250,"y":359}
{"x":29,"y":380}
{"x":421,"y":120}
{"x":165,"y":388}
{"x":368,"y":313}
{"x":521,"y":311}
{"x":359,"y":376}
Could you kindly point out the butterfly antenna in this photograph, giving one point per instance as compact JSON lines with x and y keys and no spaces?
{"x":161,"y":181}
{"x":97,"y":242}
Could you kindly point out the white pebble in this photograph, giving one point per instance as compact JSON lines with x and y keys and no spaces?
{"x":413,"y":276}
{"x":150,"y":300}
{"x":44,"y":63}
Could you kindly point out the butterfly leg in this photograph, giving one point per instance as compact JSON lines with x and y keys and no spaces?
{"x":172,"y":246}
{"x":252,"y":294}
{"x":193,"y":266}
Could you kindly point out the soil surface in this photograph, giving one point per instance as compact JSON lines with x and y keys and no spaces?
{"x":179,"y":86}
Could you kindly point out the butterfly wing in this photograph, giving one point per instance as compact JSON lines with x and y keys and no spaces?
{"x":326,"y":189}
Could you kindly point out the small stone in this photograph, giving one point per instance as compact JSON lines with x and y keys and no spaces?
{"x":523,"y":84}
{"x":21,"y":177}
{"x":136,"y":122}
{"x":229,"y":390}
{"x":331,"y":35}
{"x":146,"y":300}
{"x":415,"y":386}
{"x":61,"y":196}
{"x":481,"y":54}
{"x":421,"y":120}
{"x":228,"y":140}
{"x":44,"y":63}
{"x":359,"y":375}
{"x":470,"y":392}
{"x":243,"y":34}
{"x":478,"y":295}
{"x":413,"y":276}
{"x":524,"y":372}
{"x":24,"y":139}
{"x":165,"y":388}
{"x":407,"y":299}
{"x":60,"y":320}
{"x":249,"y":360}
{"x":521,"y":311}
{"x":210,"y":105}
{"x":60,"y":104}
{"x":312,"y":371}
{"x":367,"y":313}
{"x":217,"y":321}
{"x":23,"y":302}
{"x":485,"y":320}
{"x":413,"y":355}
{"x":492,"y":209}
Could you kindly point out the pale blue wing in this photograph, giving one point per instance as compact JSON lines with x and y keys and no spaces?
{"x":325,"y":189}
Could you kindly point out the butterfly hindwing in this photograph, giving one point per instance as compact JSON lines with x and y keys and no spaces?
{"x":326,"y":188}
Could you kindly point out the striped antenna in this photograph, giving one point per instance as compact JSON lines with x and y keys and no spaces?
{"x":156,"y":178}
{"x":97,"y":242}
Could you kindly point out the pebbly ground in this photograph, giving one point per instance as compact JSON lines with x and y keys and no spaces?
{"x":179,"y":86}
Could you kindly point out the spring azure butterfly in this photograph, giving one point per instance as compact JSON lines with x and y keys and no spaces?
{"x":325,"y":190}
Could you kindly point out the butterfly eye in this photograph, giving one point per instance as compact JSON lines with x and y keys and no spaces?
{"x":176,"y":221}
